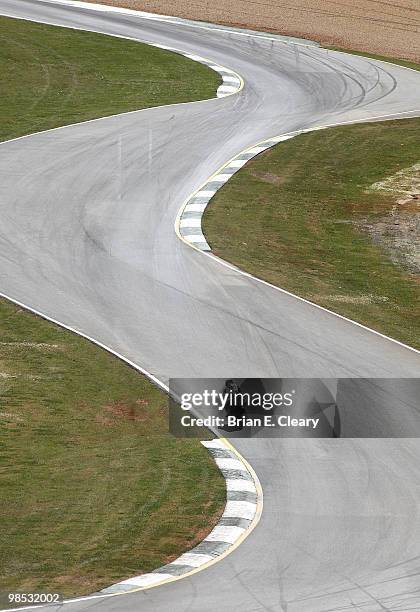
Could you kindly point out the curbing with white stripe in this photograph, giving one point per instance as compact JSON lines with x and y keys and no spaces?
{"x":188,"y":224}
{"x":232,"y":82}
{"x":191,"y":214}
{"x":242,"y":480}
{"x":243,"y":498}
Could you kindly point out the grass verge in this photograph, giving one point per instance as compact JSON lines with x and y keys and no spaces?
{"x":93,"y":489}
{"x":54,"y":76}
{"x":311,"y":214}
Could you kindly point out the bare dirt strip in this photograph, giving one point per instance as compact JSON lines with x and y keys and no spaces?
{"x":376,"y":26}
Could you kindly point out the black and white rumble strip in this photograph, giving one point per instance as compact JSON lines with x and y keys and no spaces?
{"x":190,"y":217}
{"x":232,"y":82}
{"x":240,"y":510}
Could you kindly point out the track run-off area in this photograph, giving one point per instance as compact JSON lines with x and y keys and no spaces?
{"x":87,"y":238}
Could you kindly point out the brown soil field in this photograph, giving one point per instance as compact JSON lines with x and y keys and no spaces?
{"x":384,"y":27}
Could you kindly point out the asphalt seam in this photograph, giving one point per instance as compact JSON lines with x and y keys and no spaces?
{"x":243,"y":498}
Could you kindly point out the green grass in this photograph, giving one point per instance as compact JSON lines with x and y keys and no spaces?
{"x":54,"y":76}
{"x":305,"y":202}
{"x":93,"y":488}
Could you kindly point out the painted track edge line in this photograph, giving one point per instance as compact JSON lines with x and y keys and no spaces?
{"x":228,"y":445}
{"x":204,"y":247}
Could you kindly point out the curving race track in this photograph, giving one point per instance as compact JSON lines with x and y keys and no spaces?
{"x":87,"y":238}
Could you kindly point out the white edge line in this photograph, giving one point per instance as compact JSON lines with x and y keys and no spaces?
{"x":208,"y":254}
{"x":226,"y":264}
{"x":148,"y":374}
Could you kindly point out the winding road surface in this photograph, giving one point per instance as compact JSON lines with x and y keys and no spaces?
{"x":87,"y":237}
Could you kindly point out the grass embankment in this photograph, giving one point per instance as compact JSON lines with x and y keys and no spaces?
{"x":93,"y":489}
{"x":55,"y":76}
{"x":297,"y":216}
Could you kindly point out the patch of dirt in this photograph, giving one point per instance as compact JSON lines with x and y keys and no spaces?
{"x":352,"y":299}
{"x":117,"y":411}
{"x":5,"y":375}
{"x":10,"y":417}
{"x":38,"y":345}
{"x":286,"y":172}
{"x":74,"y":583}
{"x":386,"y":27}
{"x":405,"y":183}
{"x":268,"y":177}
{"x":399,"y":231}
{"x":399,"y":234}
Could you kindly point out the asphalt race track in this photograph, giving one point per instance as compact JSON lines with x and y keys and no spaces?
{"x":87,"y":237}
